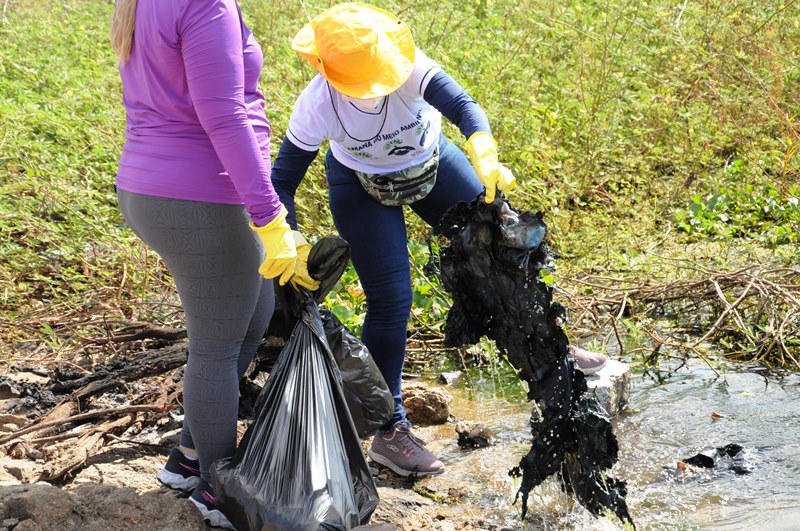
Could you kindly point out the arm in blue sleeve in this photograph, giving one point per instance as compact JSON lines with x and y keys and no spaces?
{"x":450,"y":99}
{"x":288,"y":171}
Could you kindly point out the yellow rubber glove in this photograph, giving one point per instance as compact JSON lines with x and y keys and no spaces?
{"x":482,"y":151}
{"x":301,"y":276}
{"x":281,"y":253}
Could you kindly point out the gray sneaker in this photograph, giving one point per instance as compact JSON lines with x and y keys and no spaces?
{"x":587,"y":362}
{"x":405,"y":453}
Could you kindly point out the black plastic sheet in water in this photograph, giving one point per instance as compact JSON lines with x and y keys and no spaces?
{"x":491,"y":267}
{"x":300,"y":465}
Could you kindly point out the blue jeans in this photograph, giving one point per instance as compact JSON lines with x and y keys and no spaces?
{"x":379,"y":251}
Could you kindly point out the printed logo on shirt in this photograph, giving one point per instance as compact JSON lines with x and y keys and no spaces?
{"x":400,"y":150}
{"x":393,"y":146}
{"x":423,"y":133}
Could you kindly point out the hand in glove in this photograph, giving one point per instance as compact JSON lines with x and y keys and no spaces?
{"x":482,"y":151}
{"x":281,"y":251}
{"x":301,"y":276}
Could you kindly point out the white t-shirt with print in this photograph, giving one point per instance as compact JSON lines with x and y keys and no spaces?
{"x":400,"y":132}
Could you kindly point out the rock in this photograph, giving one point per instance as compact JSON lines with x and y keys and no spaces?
{"x":426,"y":406}
{"x":449,"y":378}
{"x":474,"y":435}
{"x":119,"y":470}
{"x":14,"y":471}
{"x":9,"y":523}
{"x":8,"y":389}
{"x":611,"y":386}
{"x":96,"y":508}
{"x":396,"y":504}
{"x":9,"y":423}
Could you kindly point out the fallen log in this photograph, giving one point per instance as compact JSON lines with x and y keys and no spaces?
{"x":122,"y":369}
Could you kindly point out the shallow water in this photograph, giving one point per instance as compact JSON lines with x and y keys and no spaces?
{"x":665,"y":422}
{"x":673,"y":421}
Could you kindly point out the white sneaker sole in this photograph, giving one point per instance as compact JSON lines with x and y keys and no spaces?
{"x":215,"y":518}
{"x":176,"y":481}
{"x":378,"y":458}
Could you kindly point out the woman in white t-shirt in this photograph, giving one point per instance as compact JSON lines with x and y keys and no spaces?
{"x":379,"y":102}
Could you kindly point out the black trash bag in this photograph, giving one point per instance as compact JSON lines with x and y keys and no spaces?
{"x":368,"y":397}
{"x":490,"y":265}
{"x":327,"y":261}
{"x":300,"y":465}
{"x":369,"y":400}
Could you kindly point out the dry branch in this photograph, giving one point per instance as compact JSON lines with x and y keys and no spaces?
{"x":755,"y":308}
{"x":138,"y":332}
{"x":91,"y":415}
{"x":66,"y":437}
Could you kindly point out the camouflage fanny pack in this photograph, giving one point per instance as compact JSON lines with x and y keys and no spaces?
{"x":404,"y":186}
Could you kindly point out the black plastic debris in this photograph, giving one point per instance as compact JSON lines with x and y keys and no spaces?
{"x":730,"y":457}
{"x":490,"y":264}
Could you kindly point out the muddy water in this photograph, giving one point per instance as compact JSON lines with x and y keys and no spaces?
{"x":692,"y":411}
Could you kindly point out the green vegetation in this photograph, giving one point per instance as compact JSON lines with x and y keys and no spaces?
{"x":763,"y":214}
{"x":651,"y":134}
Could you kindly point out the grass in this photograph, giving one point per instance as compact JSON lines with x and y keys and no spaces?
{"x":642,"y":130}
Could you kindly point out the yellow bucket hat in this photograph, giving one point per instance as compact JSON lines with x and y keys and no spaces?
{"x":363,"y":51}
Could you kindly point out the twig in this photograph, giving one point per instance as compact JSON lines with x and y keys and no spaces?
{"x":76,"y":418}
{"x":680,"y":16}
{"x":614,"y":324}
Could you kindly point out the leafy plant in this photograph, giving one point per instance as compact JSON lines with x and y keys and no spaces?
{"x":759,"y":212}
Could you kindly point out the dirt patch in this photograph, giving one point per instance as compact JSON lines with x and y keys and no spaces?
{"x":117,"y":490}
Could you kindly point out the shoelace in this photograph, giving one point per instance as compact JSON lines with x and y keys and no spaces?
{"x":209,"y":497}
{"x":418,"y":444}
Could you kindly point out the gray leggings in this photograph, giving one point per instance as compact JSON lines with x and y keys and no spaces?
{"x":213,"y":256}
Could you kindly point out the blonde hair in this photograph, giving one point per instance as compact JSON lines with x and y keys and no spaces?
{"x":122,"y":28}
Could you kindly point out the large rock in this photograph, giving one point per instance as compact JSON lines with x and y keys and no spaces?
{"x":45,"y":507}
{"x":611,"y":386}
{"x":426,"y":406}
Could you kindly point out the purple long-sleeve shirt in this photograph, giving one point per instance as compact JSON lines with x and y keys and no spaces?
{"x":196,"y":124}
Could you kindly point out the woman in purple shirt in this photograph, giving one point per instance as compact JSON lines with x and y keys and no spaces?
{"x":194,"y":184}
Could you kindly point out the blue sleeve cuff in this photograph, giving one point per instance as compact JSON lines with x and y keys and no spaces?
{"x":288,"y":171}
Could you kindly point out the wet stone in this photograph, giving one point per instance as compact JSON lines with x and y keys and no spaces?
{"x":476,"y":435}
{"x":611,"y":386}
